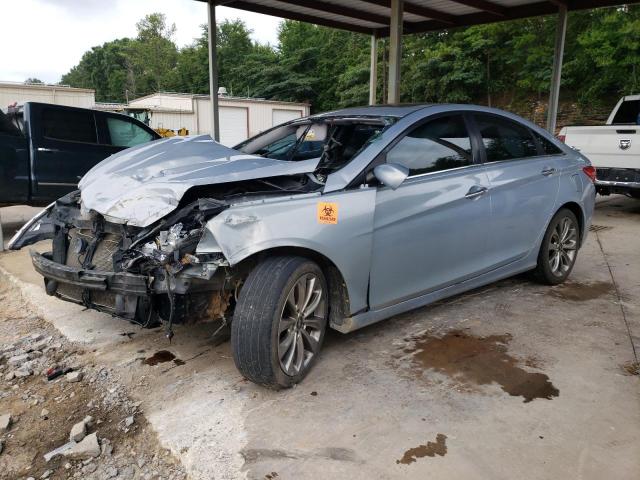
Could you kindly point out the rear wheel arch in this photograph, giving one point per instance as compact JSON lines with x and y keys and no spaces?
{"x":576,"y":209}
{"x":339,"y":306}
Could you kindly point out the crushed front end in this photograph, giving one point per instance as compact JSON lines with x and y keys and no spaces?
{"x":142,"y":274}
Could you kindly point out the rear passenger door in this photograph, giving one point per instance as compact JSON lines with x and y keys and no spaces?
{"x":524,"y":183}
{"x":64,"y":146}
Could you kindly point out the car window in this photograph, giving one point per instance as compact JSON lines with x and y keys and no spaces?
{"x":504,"y":139}
{"x":628,"y":113}
{"x":125,"y":133}
{"x":437,"y":145}
{"x":70,"y":125}
{"x":548,"y":148}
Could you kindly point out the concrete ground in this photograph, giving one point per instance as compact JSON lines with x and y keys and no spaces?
{"x":515,"y":380}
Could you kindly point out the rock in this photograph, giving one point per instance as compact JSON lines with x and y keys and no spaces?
{"x":18,"y":359}
{"x":78,"y":432}
{"x":106,"y":449}
{"x":44,"y":414}
{"x":10,"y":376}
{"x":1,"y":446}
{"x":88,"y":420}
{"x":129,"y":421}
{"x":5,"y":422}
{"x":61,"y":450}
{"x":110,"y":472}
{"x":23,"y":372}
{"x":67,"y":466}
{"x":46,"y":474}
{"x":90,"y":468}
{"x":88,"y":447}
{"x":35,"y":337}
{"x":73,"y":377}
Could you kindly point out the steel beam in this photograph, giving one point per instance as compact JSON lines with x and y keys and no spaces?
{"x":213,"y":72}
{"x":556,"y":75}
{"x":373,"y":73}
{"x":395,"y":51}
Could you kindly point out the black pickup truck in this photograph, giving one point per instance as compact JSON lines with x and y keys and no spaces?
{"x":45,"y":149}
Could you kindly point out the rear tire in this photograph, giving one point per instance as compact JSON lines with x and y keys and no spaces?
{"x":280,"y":320}
{"x":559,"y":248}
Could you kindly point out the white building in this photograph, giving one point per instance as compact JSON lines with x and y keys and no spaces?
{"x":240,"y":118}
{"x":13,"y":92}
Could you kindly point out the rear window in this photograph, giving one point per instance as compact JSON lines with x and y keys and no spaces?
{"x":628,"y":113}
{"x":69,"y":125}
{"x":125,"y":133}
{"x":504,"y":139}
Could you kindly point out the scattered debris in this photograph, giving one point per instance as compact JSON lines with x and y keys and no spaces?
{"x":78,"y":432}
{"x":5,"y":422}
{"x":73,"y":377}
{"x":87,"y":448}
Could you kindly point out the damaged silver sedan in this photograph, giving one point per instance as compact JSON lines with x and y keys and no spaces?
{"x":339,"y":219}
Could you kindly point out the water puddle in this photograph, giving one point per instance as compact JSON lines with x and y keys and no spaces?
{"x":579,"y":292}
{"x":162,"y":356}
{"x":431,"y":449}
{"x":472,"y":360}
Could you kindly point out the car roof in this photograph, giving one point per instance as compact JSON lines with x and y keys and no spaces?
{"x":375,"y":110}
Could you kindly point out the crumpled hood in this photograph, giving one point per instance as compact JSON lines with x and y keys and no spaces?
{"x":140,"y":185}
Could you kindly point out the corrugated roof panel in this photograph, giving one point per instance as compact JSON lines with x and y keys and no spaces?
{"x":446,"y":6}
{"x":317,"y":13}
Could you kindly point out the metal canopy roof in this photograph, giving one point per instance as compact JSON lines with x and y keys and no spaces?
{"x":373,"y":16}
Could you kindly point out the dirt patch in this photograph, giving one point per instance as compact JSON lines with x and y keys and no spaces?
{"x":471,"y":360}
{"x":431,"y":449}
{"x":43,"y":412}
{"x":580,"y":292}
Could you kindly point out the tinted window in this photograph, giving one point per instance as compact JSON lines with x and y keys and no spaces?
{"x":504,"y":139}
{"x":628,"y":113}
{"x":124,"y":133}
{"x":441,"y":144}
{"x":69,"y":125}
{"x":548,"y":148}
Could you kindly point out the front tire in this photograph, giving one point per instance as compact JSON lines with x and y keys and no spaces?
{"x":280,"y":320}
{"x":559,"y":248}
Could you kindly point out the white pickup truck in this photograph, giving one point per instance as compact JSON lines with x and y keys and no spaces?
{"x":614,"y":148}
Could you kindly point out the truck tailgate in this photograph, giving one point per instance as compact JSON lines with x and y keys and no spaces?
{"x":610,"y":146}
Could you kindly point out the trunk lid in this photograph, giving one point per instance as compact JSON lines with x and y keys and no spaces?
{"x":610,"y":146}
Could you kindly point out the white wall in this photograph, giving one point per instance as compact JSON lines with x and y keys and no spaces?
{"x":74,"y":97}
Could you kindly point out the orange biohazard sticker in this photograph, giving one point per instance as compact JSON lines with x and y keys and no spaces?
{"x":328,"y":213}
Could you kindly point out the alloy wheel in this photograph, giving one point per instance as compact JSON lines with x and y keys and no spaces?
{"x":563,"y":246}
{"x":301,"y":325}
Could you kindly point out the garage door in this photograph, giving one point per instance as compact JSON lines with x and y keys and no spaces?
{"x":280,"y":116}
{"x":234,"y":125}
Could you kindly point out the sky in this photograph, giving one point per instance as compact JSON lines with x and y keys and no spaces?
{"x":45,"y":38}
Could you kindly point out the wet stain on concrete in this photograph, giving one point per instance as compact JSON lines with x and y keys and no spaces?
{"x":579,"y":292}
{"x":162,"y":356}
{"x":431,"y":449}
{"x":474,"y":360}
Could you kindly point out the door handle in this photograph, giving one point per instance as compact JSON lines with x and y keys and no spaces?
{"x":476,"y":191}
{"x":548,"y":171}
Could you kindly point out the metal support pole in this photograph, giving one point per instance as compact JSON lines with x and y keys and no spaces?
{"x":373,"y":74}
{"x":395,"y":50}
{"x":556,"y":76}
{"x":213,"y":72}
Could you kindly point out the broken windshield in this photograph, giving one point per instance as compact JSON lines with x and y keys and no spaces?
{"x":335,"y":140}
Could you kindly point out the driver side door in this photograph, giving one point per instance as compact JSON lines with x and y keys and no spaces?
{"x":432,"y":231}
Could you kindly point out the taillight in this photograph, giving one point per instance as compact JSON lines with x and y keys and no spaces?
{"x":590,"y":172}
{"x":562,"y":138}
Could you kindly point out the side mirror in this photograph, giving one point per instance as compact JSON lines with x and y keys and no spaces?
{"x":391,"y":174}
